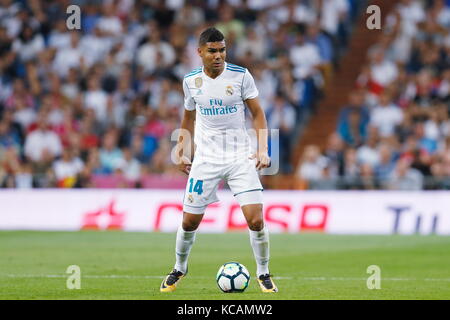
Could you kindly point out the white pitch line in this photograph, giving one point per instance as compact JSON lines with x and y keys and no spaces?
{"x":115,"y":276}
{"x":111,"y":276}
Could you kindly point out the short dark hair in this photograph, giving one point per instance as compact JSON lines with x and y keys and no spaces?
{"x":210,"y":35}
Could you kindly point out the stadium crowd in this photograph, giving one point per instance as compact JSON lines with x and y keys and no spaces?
{"x":395,"y":131}
{"x":77,"y":106}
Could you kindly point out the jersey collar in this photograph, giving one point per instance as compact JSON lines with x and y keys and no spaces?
{"x":220,"y":75}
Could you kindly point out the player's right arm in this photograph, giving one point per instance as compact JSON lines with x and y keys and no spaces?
{"x":185,"y":145}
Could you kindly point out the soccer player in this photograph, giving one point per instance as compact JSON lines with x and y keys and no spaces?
{"x":215,"y":96}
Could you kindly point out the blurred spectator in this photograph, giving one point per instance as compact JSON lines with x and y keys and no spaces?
{"x":59,"y":37}
{"x":110,"y":155}
{"x":155,"y":53}
{"x":42,"y":144}
{"x":89,"y":139}
{"x":70,"y":88}
{"x":24,"y":177}
{"x":231,"y":28}
{"x":353,"y":120}
{"x":425,"y":143}
{"x":312,"y":165}
{"x":294,"y":92}
{"x":295,"y":11}
{"x":95,"y":46}
{"x":281,"y":115}
{"x":68,"y":57}
{"x":24,"y":114}
{"x":385,"y":166}
{"x":264,"y":80}
{"x":94,"y":164}
{"x":109,"y":23}
{"x":324,"y":44}
{"x":367,"y":179}
{"x":143,"y":146}
{"x":130,"y":166}
{"x":66,"y":169}
{"x":334,"y":152}
{"x":350,"y":169}
{"x":441,"y":172}
{"x":354,"y":133}
{"x":368,"y":152}
{"x":356,"y":102}
{"x":96,"y":99}
{"x":28,"y":44}
{"x":383,"y":72}
{"x":333,"y":17}
{"x":255,"y":45}
{"x":405,"y":178}
{"x":161,"y":160}
{"x":386,"y":116}
{"x":190,"y":16}
{"x":13,"y":173}
{"x":8,"y":138}
{"x":305,"y":57}
{"x":19,"y":91}
{"x":307,"y":64}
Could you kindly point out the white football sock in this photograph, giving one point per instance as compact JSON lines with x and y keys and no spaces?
{"x":184,"y":242}
{"x":260,"y":244}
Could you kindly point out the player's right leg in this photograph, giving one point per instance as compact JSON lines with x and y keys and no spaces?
{"x":200,"y":191}
{"x":184,"y":243}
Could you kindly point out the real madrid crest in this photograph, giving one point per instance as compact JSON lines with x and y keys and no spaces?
{"x":229,"y":91}
{"x":198,"y":82}
{"x":190,"y":198}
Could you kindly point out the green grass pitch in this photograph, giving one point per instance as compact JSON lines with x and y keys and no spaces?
{"x":121,"y":265}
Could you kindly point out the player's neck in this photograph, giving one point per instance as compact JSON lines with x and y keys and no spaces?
{"x":212,"y":73}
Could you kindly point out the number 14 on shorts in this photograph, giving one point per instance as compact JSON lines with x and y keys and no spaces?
{"x":198,"y":186}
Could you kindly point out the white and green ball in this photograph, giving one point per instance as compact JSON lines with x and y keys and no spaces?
{"x":233,"y":277}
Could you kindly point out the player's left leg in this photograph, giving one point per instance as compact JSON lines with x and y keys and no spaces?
{"x":259,"y":240}
{"x":243,"y":180}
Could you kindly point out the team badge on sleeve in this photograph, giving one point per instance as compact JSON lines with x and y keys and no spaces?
{"x":229,"y":91}
{"x":198,"y":82}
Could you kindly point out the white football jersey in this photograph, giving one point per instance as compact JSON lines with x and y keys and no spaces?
{"x":220,"y":133}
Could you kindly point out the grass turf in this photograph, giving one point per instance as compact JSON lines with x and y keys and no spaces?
{"x":119,"y":265}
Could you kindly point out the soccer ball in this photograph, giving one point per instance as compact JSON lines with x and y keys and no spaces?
{"x":233,"y":277}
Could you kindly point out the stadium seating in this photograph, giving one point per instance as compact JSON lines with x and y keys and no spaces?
{"x":95,"y":107}
{"x":392,"y":132}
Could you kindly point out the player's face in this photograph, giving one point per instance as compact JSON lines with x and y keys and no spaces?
{"x":213,"y":55}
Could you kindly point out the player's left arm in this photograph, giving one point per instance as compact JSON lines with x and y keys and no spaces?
{"x":260,"y":125}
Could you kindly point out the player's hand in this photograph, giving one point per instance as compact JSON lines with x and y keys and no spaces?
{"x":262,"y":160}
{"x":185,"y":165}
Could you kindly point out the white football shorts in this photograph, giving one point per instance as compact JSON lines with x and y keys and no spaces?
{"x":204,"y":178}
